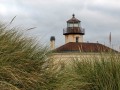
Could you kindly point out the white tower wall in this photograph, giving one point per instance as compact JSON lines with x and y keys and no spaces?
{"x":72,"y":38}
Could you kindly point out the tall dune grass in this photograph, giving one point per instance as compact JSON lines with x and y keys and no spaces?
{"x":103,"y":74}
{"x":96,"y":73}
{"x":21,"y":61}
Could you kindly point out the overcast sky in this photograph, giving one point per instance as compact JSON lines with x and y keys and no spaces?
{"x":98,"y":17}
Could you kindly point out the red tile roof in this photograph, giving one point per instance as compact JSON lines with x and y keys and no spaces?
{"x":83,"y":47}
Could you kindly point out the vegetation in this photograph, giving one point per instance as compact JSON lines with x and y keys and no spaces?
{"x":21,"y":61}
{"x":25,"y":65}
{"x":101,"y":73}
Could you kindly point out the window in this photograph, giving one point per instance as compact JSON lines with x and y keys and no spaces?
{"x":71,"y":25}
{"x":77,"y":39}
{"x":76,"y":25}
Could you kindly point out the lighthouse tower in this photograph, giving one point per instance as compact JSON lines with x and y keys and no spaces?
{"x":74,"y":32}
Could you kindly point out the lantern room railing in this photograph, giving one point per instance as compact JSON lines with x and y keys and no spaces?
{"x":74,"y":30}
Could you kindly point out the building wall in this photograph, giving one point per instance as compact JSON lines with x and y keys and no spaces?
{"x":72,"y":38}
{"x":66,"y":56}
{"x":69,"y":58}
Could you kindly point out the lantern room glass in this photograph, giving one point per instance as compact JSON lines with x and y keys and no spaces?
{"x":73,"y":24}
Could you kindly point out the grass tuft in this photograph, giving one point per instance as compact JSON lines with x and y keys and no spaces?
{"x":21,"y":61}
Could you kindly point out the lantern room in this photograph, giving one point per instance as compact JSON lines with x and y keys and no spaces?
{"x":74,"y":32}
{"x":73,"y":22}
{"x":73,"y":27}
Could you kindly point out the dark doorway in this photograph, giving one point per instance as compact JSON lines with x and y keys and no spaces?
{"x":77,"y":39}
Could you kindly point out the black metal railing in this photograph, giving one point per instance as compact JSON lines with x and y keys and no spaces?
{"x":74,"y":30}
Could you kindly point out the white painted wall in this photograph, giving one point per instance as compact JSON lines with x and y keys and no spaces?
{"x":72,"y":38}
{"x":69,"y":58}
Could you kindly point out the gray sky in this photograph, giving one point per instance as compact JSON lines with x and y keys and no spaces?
{"x":99,"y":18}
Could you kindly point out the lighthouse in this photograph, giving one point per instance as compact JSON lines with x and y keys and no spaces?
{"x":74,"y":42}
{"x":74,"y":32}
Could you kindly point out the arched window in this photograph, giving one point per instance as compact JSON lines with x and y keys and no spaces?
{"x":77,"y":39}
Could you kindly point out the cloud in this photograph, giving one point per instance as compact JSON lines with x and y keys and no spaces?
{"x":99,"y":17}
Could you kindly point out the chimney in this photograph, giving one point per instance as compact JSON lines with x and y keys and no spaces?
{"x":52,"y":43}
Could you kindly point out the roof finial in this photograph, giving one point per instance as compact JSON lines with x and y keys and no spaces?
{"x":73,"y":15}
